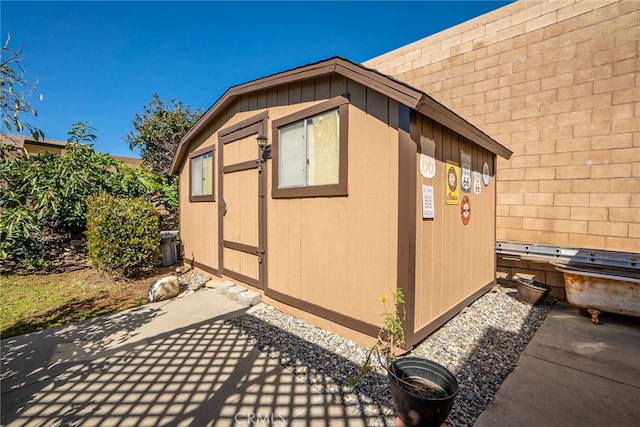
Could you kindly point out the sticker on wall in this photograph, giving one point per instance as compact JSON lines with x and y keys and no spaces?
{"x":428,"y":207}
{"x":485,"y":173}
{"x":465,"y":174}
{"x":427,"y":157}
{"x":452,"y":184}
{"x":477,"y":187}
{"x":465,"y":210}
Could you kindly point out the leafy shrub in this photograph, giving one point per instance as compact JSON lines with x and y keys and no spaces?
{"x":44,"y":195}
{"x":122,"y":234}
{"x":20,"y":234}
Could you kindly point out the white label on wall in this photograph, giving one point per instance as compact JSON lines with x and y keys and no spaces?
{"x":428,"y":210}
{"x":465,"y":171}
{"x":427,"y":157}
{"x":477,"y":186}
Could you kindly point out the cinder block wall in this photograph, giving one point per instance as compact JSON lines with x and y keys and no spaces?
{"x":557,"y":82}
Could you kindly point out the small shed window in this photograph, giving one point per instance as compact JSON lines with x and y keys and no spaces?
{"x":310,"y":151}
{"x":201,"y":176}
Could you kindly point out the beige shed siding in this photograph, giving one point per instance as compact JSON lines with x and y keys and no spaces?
{"x":558,"y":83}
{"x":328,"y":259}
{"x":453,"y":260}
{"x":316,"y":247}
{"x":240,"y":194}
{"x":325,"y":250}
{"x":240,"y":262}
{"x":241,"y":201}
{"x":198,"y":231}
{"x":199,"y":222}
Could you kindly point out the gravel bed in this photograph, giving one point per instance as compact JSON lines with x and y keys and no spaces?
{"x":480,"y":345}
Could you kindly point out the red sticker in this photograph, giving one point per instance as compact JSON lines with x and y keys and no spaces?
{"x":465,"y":210}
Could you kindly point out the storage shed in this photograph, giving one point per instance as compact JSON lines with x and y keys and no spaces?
{"x":329,"y":185}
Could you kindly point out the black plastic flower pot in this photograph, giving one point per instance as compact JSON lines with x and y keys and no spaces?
{"x":423,"y":391}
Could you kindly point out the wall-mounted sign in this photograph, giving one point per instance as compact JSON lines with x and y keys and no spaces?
{"x":427,"y":157}
{"x":452,"y":184}
{"x":465,"y":174}
{"x":477,"y":187}
{"x":465,"y":210}
{"x":485,"y":173}
{"x":428,"y":205}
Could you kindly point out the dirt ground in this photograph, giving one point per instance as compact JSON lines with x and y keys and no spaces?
{"x":101,"y":278}
{"x":36,"y":302}
{"x":128,"y":294}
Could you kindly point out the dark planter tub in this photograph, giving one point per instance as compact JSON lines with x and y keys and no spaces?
{"x":423,"y":391}
{"x":532,"y":292}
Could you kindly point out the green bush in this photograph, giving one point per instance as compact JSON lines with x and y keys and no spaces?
{"x":20,"y":234}
{"x":42,"y":197}
{"x":122,"y":234}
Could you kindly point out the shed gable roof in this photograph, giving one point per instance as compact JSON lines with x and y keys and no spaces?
{"x":386,"y":85}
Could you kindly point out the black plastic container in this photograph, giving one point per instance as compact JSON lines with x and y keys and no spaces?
{"x":430,"y":403}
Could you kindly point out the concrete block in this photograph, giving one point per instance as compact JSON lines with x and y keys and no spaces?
{"x":234,"y":291}
{"x":249,"y":298}
{"x":222,"y":287}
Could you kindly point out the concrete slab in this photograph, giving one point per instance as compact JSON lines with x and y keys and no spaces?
{"x":170,"y":363}
{"x":573,"y":373}
{"x":610,"y":349}
{"x":178,"y":363}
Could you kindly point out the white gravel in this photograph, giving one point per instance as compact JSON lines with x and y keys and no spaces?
{"x":481,"y":346}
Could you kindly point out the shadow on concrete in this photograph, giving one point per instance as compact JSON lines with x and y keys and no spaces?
{"x":32,"y":358}
{"x":325,"y":369}
{"x":98,"y":372}
{"x":202,"y":374}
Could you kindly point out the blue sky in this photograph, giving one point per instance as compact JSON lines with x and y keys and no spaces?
{"x":102,"y":61}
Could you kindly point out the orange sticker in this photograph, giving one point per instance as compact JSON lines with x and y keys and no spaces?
{"x":465,"y":210}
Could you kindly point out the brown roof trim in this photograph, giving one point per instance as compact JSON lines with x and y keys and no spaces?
{"x":441,"y":114}
{"x":20,"y":141}
{"x":126,"y":158}
{"x":388,"y":86}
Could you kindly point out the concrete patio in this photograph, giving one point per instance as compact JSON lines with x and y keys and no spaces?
{"x":573,"y":373}
{"x":168,"y":363}
{"x":178,"y":363}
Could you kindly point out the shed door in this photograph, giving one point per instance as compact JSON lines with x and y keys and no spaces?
{"x":242,"y":208}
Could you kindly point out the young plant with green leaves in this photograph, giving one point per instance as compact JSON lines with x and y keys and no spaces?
{"x":391,"y":336}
